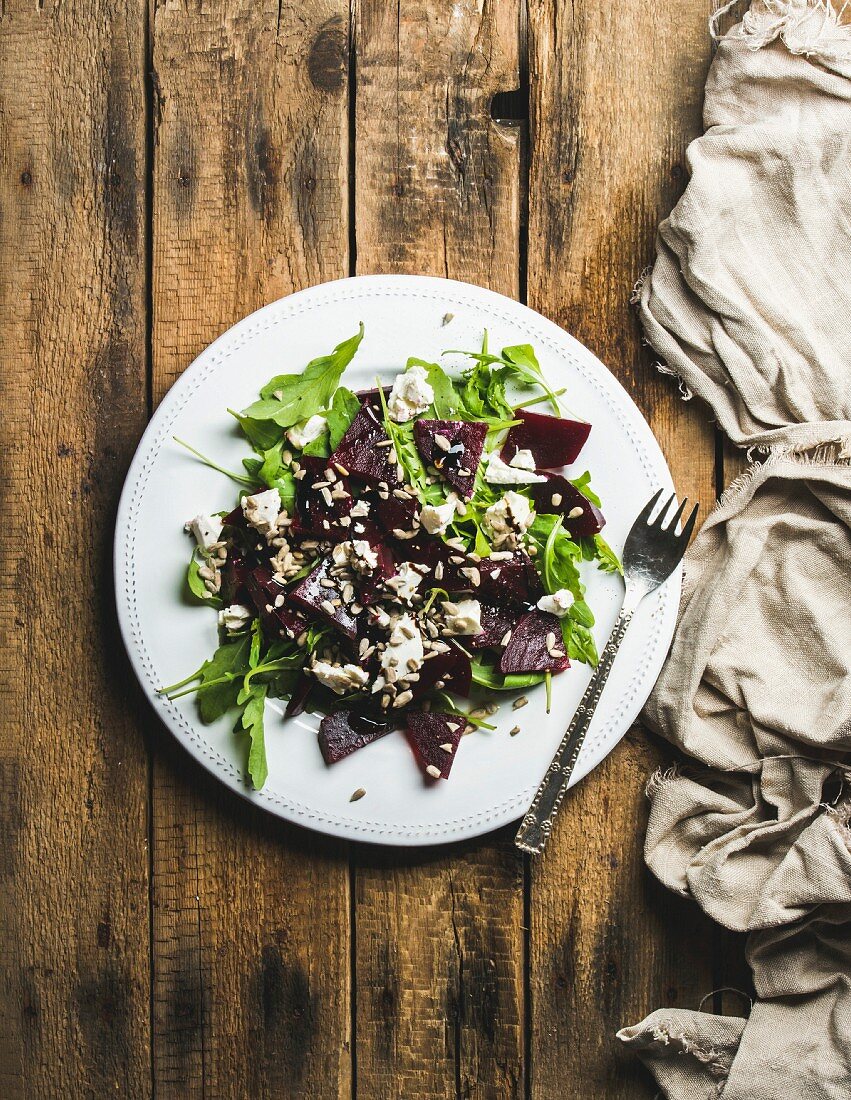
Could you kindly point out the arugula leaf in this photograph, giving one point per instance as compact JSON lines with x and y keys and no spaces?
{"x":220,"y":677}
{"x":261,"y":434}
{"x":447,"y":403}
{"x":343,"y":410}
{"x":583,"y":484}
{"x":290,"y":398}
{"x":579,"y":642}
{"x":488,"y":675}
{"x":558,"y":555}
{"x":318,"y":448}
{"x":274,"y":474}
{"x":196,"y":586}
{"x":607,"y":559}
{"x":251,"y":721}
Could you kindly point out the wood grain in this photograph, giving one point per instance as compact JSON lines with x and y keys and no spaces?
{"x":615,"y":95}
{"x":74,"y":974}
{"x":439,"y":950}
{"x":251,"y":918}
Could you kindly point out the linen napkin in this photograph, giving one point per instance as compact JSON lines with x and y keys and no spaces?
{"x":749,"y":304}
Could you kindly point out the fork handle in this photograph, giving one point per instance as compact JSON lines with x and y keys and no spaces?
{"x":534,"y":832}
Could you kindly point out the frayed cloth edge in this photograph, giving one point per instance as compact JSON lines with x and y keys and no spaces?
{"x":809,"y":28}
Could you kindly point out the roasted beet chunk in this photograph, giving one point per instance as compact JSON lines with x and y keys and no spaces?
{"x":298,"y":700}
{"x":456,"y":453}
{"x":552,"y":441}
{"x":511,"y":583}
{"x":496,"y":622}
{"x":451,"y":669}
{"x":364,"y":450}
{"x":434,"y":739}
{"x":557,"y":497}
{"x":396,"y":513}
{"x":265,"y":592}
{"x":318,"y":599}
{"x":318,"y":512}
{"x":535,"y":645}
{"x":346,"y":731}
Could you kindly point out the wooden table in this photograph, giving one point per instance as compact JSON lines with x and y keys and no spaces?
{"x":165,"y":172}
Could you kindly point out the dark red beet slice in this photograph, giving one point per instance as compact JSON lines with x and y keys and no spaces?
{"x":425,"y":550}
{"x":314,"y":515}
{"x":495,"y":622}
{"x":427,"y":732}
{"x":452,"y":668}
{"x":466,"y":441}
{"x":358,"y":450}
{"x":527,"y":650}
{"x":553,"y":442}
{"x":394,"y":513}
{"x":345,"y":732}
{"x":263,"y":591}
{"x":368,"y":586}
{"x":310,"y":594}
{"x":234,"y":576}
{"x":511,"y":583}
{"x":298,"y":700}
{"x":591,"y":522}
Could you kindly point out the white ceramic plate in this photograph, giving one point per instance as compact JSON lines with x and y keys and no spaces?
{"x":495,"y":775}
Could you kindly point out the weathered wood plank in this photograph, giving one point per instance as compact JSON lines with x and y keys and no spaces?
{"x":439,"y":949}
{"x":251,"y":919}
{"x":615,"y":96}
{"x":73,"y":767}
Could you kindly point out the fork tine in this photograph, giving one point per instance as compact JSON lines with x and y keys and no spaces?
{"x":659,"y":521}
{"x":689,"y":525}
{"x":672,"y":526}
{"x":644,"y":515}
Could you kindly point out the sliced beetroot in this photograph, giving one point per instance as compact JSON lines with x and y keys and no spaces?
{"x":236,"y":518}
{"x":510,"y":583}
{"x":359,"y":451}
{"x":553,"y":442}
{"x":234,"y":575}
{"x":264,"y":591}
{"x":314,"y":514}
{"x":317,"y":599}
{"x":496,"y":622}
{"x":301,"y":692}
{"x":527,"y":651}
{"x":346,"y":731}
{"x":567,"y":498}
{"x":434,"y":739}
{"x":433,"y":553}
{"x":452,"y":668}
{"x":396,"y":513}
{"x":466,"y":441}
{"x":369,"y":586}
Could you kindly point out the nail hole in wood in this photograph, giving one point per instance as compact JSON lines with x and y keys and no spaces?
{"x":509,"y":108}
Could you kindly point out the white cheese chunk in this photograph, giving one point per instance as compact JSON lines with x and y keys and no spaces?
{"x":404,"y":651}
{"x":523,"y":460}
{"x":302,"y":434}
{"x":206,"y":529}
{"x":511,"y":515}
{"x":357,"y":555}
{"x":559,"y":603}
{"x":236,"y":617}
{"x":435,"y":518}
{"x":262,"y":510}
{"x":360,"y":509}
{"x":463,"y":617}
{"x":410,"y":396}
{"x":406,"y":581}
{"x":340,"y":678}
{"x":498,"y":473}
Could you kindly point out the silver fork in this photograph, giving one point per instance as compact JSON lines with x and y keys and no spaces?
{"x":651,"y":553}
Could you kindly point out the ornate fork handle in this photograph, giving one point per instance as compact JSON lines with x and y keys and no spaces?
{"x":534,"y":832}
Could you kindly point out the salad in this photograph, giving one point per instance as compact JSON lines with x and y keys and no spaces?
{"x":394,"y":550}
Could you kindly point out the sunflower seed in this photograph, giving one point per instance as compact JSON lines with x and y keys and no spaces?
{"x":327,"y":607}
{"x":326,"y":495}
{"x":551,"y":639}
{"x":442,"y":442}
{"x":433,"y":771}
{"x":574,"y":513}
{"x":518,"y":703}
{"x":447,"y":747}
{"x":317,"y":485}
{"x":357,"y":795}
{"x":384,"y":443}
{"x":402,"y":699}
{"x":506,"y":638}
{"x":556,"y":499}
{"x":513,"y":732}
{"x":341,"y":469}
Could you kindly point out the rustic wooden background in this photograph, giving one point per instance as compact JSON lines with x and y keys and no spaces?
{"x":167,"y":168}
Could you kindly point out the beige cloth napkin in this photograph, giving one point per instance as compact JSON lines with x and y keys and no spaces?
{"x":749,"y":303}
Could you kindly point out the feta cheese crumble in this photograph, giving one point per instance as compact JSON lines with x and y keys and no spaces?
{"x":206,"y":529}
{"x":234,"y":618}
{"x":340,"y":678}
{"x":262,"y":510}
{"x":509,"y":518}
{"x":406,"y":581}
{"x":404,"y":651}
{"x":302,"y":434}
{"x":357,"y":555}
{"x":435,"y":518}
{"x":464,"y":617}
{"x":410,"y":396}
{"x":498,"y":473}
{"x":523,"y":460}
{"x":559,"y":603}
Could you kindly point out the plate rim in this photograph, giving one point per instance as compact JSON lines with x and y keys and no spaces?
{"x":172,"y":404}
